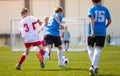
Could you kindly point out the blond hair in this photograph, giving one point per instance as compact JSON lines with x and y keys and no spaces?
{"x":58,"y":9}
{"x":24,"y":11}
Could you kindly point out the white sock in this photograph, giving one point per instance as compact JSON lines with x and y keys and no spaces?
{"x":96,"y":57}
{"x":46,"y":54}
{"x":64,"y":47}
{"x":67,"y":47}
{"x":59,"y":53}
{"x":90,"y":53}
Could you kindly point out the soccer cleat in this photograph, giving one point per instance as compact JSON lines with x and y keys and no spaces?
{"x":42,"y":65}
{"x":18,"y":67}
{"x":96,"y":70}
{"x":49,"y":57}
{"x":61,"y":65}
{"x":92,"y":71}
{"x":41,"y":59}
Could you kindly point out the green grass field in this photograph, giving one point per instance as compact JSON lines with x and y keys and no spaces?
{"x":109,"y":64}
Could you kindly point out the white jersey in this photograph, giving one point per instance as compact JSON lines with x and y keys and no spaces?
{"x":42,"y":31}
{"x":27,"y":29}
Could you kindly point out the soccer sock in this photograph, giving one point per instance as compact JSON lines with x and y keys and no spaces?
{"x":41,"y":52}
{"x":96,"y":57}
{"x":66,"y":48}
{"x":46,"y":54}
{"x":90,"y":53}
{"x":59,"y":53}
{"x":49,"y":53}
{"x":22,"y":58}
{"x":39,"y":57}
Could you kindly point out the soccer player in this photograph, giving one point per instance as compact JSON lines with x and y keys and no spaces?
{"x":98,"y":15}
{"x":52,"y":34}
{"x":30,"y":36}
{"x":42,"y":31}
{"x":66,"y":38}
{"x":43,"y":28}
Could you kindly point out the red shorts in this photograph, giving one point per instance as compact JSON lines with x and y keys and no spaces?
{"x":43,"y":42}
{"x":28,"y":45}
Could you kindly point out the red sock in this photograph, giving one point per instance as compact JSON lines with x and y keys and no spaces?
{"x":41,"y":52}
{"x":21,"y":59}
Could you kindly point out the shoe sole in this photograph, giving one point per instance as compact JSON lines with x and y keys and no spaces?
{"x":96,"y":70}
{"x":92,"y":73}
{"x":18,"y":68}
{"x":61,"y":66}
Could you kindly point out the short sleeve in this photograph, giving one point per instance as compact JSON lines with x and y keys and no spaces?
{"x":60,"y":17}
{"x":34,"y":19}
{"x":90,"y":13}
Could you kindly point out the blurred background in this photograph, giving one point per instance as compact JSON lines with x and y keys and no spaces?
{"x":73,"y":10}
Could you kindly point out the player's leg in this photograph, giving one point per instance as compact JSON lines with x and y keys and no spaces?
{"x":48,"y":45}
{"x":47,"y":51}
{"x":40,"y":53}
{"x":91,"y":54}
{"x":50,"y":50}
{"x":90,"y":47}
{"x":67,"y":46}
{"x":96,"y":56}
{"x":40,"y":56}
{"x":63,"y":45}
{"x":100,"y":40}
{"x":23,"y":56}
{"x":59,"y":53}
{"x":43,"y":43}
{"x":58,"y":43}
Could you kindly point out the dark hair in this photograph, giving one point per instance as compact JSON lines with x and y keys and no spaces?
{"x":58,"y":9}
{"x":96,"y":1}
{"x":24,"y":11}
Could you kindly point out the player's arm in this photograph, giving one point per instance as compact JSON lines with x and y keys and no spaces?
{"x":39,"y":22}
{"x":58,"y":21}
{"x":92,"y":25}
{"x":40,"y":29}
{"x":108,"y":18}
{"x":108,"y":22}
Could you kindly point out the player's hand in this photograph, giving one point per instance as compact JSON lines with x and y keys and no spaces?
{"x":92,"y":34}
{"x":61,"y":27}
{"x":41,"y":22}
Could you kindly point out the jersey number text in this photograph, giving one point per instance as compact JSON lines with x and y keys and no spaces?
{"x":99,"y":16}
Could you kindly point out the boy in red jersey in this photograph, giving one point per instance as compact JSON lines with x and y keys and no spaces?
{"x":30,"y":36}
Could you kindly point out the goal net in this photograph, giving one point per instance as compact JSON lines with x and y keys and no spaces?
{"x":76,"y":26}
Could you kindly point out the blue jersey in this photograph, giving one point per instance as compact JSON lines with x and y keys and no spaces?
{"x":100,"y":14}
{"x":53,"y":26}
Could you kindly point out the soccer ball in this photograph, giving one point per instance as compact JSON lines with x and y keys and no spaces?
{"x":65,"y":60}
